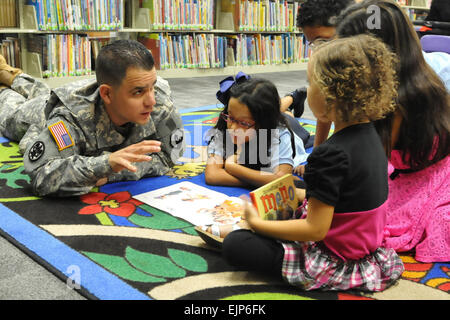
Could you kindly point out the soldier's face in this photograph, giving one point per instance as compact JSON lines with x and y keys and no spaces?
{"x":134,"y":99}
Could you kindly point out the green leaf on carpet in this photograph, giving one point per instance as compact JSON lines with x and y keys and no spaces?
{"x":267,"y":296}
{"x":153,"y":264}
{"x":12,"y":174}
{"x":159,"y":220}
{"x":188,"y":261}
{"x":120,"y":267}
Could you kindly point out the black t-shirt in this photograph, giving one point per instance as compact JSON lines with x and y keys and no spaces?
{"x":349,"y":170}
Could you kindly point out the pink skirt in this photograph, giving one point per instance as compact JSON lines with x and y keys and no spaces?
{"x":418,"y":215}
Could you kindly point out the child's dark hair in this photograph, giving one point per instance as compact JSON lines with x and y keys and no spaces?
{"x":313,"y":13}
{"x":263,"y":101}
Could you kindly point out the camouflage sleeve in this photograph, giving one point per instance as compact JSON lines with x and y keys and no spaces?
{"x":56,"y":164}
{"x":30,"y":136}
{"x":169,"y":130}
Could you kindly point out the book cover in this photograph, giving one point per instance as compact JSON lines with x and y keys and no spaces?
{"x":152,"y":42}
{"x":276,"y":200}
{"x":194,"y":203}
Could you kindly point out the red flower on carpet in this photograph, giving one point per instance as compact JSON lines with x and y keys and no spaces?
{"x":118,"y":204}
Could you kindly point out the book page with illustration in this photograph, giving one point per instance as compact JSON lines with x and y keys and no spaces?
{"x":195,"y":204}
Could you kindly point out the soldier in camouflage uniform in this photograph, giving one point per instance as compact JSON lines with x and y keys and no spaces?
{"x":122,"y":126}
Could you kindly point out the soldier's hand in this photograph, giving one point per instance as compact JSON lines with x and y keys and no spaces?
{"x":123,"y":158}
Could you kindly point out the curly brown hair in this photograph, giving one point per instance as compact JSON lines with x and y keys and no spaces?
{"x":357,"y":77}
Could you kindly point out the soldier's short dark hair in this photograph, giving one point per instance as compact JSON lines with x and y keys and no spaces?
{"x":115,"y":58}
{"x":320,"y":13}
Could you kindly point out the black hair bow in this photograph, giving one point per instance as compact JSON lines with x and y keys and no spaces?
{"x":223,"y":95}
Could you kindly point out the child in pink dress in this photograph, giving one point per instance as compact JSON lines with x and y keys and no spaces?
{"x":338,"y":246}
{"x":416,"y":137}
{"x":420,"y":223}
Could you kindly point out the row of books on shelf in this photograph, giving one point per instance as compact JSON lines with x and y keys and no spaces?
{"x":416,"y":14}
{"x":423,"y":3}
{"x":8,"y":13}
{"x":175,"y":51}
{"x":252,"y":15}
{"x":180,"y":14}
{"x":78,"y":14}
{"x":265,"y":15}
{"x":270,"y":49}
{"x":10,"y":50}
{"x":62,"y":54}
{"x":74,"y":55}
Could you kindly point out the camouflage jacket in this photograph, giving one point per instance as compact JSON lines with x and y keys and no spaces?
{"x":70,"y":154}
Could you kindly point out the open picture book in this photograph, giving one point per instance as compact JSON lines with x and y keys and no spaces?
{"x":195,"y":204}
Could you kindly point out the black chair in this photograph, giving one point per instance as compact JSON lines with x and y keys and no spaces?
{"x":433,"y":27}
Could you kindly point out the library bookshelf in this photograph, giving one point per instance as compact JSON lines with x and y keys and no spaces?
{"x":247,"y":32}
{"x":231,"y":21}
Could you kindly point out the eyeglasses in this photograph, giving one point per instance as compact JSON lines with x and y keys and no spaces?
{"x":230,"y":119}
{"x":317,"y":42}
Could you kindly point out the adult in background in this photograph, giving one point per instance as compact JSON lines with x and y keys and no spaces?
{"x":121,"y":126}
{"x":317,"y":19}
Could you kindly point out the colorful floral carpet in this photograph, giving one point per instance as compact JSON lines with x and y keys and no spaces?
{"x":109,"y":246}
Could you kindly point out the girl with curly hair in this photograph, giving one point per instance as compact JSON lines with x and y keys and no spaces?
{"x":338,"y":246}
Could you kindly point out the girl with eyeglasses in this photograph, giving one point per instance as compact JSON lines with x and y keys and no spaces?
{"x":252,"y":143}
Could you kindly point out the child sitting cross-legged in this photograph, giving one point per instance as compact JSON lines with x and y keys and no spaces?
{"x":338,"y":246}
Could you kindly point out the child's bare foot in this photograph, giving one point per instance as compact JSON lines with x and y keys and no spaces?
{"x":214,"y":234}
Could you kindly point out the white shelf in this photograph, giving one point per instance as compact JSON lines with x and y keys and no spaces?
{"x":416,"y":8}
{"x":17,"y":30}
{"x":227,"y":71}
{"x":138,"y":30}
{"x":192,"y":73}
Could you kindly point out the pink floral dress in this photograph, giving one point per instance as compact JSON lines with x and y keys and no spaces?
{"x":418,"y":214}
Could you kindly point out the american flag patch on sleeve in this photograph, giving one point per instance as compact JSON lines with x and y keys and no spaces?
{"x":61,"y":135}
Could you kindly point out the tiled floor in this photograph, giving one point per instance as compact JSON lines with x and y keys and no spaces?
{"x":21,"y":278}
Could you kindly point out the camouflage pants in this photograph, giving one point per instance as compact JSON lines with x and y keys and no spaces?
{"x":21,"y":106}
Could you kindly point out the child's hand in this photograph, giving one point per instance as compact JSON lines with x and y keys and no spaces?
{"x":231,"y":161}
{"x":250,"y":214}
{"x":299,"y":170}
